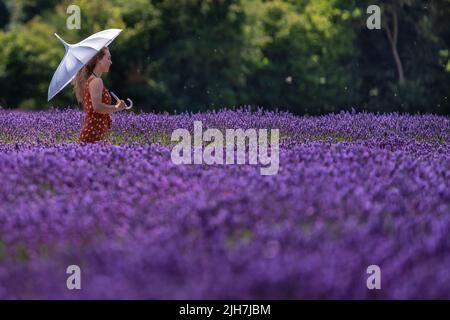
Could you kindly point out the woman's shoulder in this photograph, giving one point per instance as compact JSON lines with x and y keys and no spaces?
{"x":91,"y":77}
{"x":96,"y":83}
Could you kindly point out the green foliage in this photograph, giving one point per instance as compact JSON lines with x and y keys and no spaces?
{"x":305,"y":56}
{"x":28,"y":61}
{"x":4,"y":14}
{"x":422,"y":51}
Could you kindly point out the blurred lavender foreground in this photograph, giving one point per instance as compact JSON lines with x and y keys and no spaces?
{"x":352,"y":190}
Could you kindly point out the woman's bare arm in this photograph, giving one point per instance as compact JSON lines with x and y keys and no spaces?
{"x":96,"y":89}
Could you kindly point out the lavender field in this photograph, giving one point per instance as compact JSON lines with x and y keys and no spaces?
{"x":352,"y":190}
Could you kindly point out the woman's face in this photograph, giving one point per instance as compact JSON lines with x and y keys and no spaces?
{"x":105,"y":62}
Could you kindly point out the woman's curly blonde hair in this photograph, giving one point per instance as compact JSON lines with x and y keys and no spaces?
{"x":79,"y":82}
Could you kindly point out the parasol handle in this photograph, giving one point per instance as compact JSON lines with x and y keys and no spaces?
{"x":117,"y":99}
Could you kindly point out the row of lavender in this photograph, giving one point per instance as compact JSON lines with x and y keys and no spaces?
{"x":376,"y":192}
{"x":64,"y":126}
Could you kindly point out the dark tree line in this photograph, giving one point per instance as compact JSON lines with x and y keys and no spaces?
{"x":304,"y":56}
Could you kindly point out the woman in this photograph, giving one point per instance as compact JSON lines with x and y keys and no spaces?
{"x":89,"y":90}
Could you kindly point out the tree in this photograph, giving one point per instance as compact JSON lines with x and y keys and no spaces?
{"x":199,"y":53}
{"x":391,"y":15}
{"x":4,"y":15}
{"x":28,"y":60}
{"x":305,"y":56}
{"x":307,"y":51}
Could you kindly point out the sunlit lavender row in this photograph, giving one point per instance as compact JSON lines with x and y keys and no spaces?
{"x":56,"y":126}
{"x":352,"y":190}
